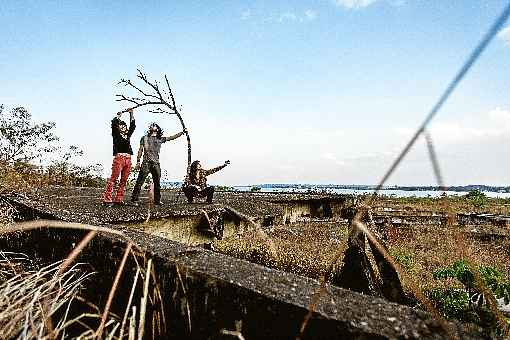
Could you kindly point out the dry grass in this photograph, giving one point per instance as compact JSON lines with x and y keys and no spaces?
{"x":7,"y":212}
{"x":441,"y":205}
{"x":36,"y":303}
{"x":55,"y":295}
{"x":423,"y":250}
{"x":304,"y":248}
{"x":29,"y":297}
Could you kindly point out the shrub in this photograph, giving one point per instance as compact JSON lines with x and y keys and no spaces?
{"x":403,"y":257}
{"x":467,"y":304}
{"x":477,"y":198}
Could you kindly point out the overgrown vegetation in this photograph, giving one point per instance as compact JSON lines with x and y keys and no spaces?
{"x":477,"y":198}
{"x":468,"y":303}
{"x":404,"y":257}
{"x":304,"y":248}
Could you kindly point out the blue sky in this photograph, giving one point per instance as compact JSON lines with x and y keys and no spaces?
{"x":317,"y":91}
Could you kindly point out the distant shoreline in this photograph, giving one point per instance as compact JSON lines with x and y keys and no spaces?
{"x":458,"y":188}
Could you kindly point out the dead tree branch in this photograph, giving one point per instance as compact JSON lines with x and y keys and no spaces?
{"x":160,"y":101}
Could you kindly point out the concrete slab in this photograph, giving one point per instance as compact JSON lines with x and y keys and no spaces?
{"x":224,"y":293}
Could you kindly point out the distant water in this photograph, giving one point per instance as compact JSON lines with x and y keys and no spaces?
{"x":396,"y":193}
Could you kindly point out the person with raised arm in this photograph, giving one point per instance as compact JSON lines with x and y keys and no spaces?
{"x":150,"y":147}
{"x":196,"y":182}
{"x":121,"y":165}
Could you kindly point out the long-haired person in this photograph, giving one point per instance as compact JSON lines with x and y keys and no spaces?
{"x":196,"y":185}
{"x":121,"y":164}
{"x":150,"y":147}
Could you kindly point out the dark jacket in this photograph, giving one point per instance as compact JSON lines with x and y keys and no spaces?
{"x":200,"y":178}
{"x":121,"y":144}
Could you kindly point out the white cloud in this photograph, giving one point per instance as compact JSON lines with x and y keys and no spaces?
{"x":333,"y":158}
{"x":288,"y":16}
{"x":310,"y":15}
{"x":504,"y":35}
{"x":246,"y":15}
{"x":354,"y":4}
{"x":494,"y":124}
{"x":501,"y":117}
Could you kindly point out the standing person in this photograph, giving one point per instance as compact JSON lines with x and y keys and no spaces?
{"x":150,"y":146}
{"x":196,"y":185}
{"x":121,"y":164}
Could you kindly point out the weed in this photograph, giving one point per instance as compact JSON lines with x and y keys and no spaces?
{"x":468,"y":303}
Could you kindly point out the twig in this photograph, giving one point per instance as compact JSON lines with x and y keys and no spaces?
{"x":38,"y":224}
{"x":99,"y":332}
{"x":128,"y":307}
{"x":160,"y":297}
{"x":237,"y":334}
{"x":143,"y":305}
{"x":132,"y":325}
{"x":76,"y":251}
{"x":67,"y":262}
{"x":185,"y":297}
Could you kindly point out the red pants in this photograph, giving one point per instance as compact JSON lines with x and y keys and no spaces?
{"x":121,"y":166}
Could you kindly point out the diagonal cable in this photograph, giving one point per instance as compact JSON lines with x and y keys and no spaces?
{"x":489,"y":36}
{"x":435,"y":161}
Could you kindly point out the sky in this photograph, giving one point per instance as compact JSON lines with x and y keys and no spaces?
{"x":318,"y":91}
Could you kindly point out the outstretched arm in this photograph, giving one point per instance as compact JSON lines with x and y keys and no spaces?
{"x":218,"y":168}
{"x":177,"y":135}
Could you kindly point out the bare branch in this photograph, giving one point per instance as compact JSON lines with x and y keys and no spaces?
{"x":171,"y":94}
{"x":156,"y":96}
{"x":139,"y":102}
{"x":143,"y":77}
{"x":159,"y":110}
{"x":130,"y":83}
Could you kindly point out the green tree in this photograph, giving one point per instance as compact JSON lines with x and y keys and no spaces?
{"x":21,"y":140}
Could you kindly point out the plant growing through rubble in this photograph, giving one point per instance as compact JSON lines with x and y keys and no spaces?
{"x":404,"y":258}
{"x":468,"y":304}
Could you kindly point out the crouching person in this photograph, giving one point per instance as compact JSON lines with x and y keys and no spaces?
{"x":122,"y":152}
{"x":196,"y":183}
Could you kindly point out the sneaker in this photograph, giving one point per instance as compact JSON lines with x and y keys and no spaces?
{"x":119,"y":204}
{"x":107,"y":204}
{"x":134,"y":203}
{"x":158,"y":203}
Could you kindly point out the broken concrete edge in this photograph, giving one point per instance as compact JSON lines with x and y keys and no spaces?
{"x":42,"y":210}
{"x":361,"y":314}
{"x":340,"y":310}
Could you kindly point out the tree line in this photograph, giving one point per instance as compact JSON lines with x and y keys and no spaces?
{"x":31,"y":155}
